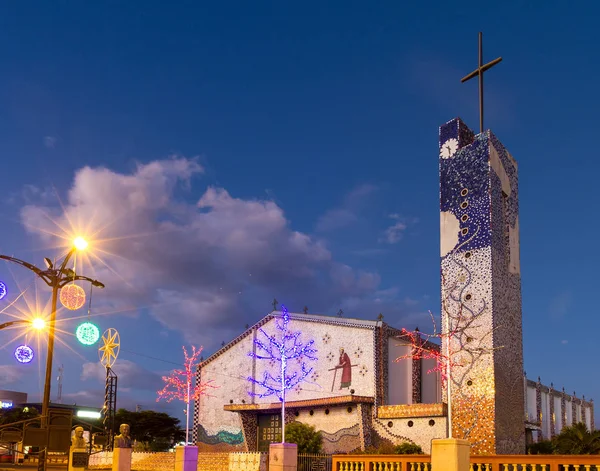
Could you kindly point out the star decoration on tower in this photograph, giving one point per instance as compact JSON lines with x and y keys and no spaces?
{"x":110,"y":347}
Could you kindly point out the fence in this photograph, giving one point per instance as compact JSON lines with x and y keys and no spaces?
{"x":314,"y":462}
{"x":140,"y":461}
{"x":381,"y":463}
{"x":145,"y":461}
{"x":478,"y":463}
{"x":535,"y":463}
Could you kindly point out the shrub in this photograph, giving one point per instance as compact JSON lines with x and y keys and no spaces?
{"x":545,"y":447}
{"x":305,"y":436}
{"x":407,"y":448}
{"x":387,"y":448}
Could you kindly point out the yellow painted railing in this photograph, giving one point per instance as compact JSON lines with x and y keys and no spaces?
{"x":535,"y":463}
{"x":478,"y":463}
{"x":381,"y":463}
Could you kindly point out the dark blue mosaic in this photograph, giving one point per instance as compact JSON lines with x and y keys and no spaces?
{"x":468,"y":171}
{"x":458,"y":130}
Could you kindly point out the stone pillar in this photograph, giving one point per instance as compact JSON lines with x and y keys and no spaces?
{"x":450,"y":454}
{"x":121,"y":459}
{"x":416,"y":372}
{"x":552,"y":412}
{"x":186,"y":458}
{"x":78,"y":459}
{"x":283,"y":457}
{"x":563,"y":409}
{"x":365,"y":418}
{"x":538,"y":403}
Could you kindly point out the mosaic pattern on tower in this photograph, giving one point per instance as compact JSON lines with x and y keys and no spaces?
{"x":481,"y":291}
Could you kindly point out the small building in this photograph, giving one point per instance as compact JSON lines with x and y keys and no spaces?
{"x":10,"y":399}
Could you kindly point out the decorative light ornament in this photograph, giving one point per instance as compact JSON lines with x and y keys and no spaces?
{"x":111,"y":345}
{"x":280,"y":348}
{"x":72,"y":296}
{"x":87,"y":333}
{"x":3,"y":290}
{"x":24,"y":354}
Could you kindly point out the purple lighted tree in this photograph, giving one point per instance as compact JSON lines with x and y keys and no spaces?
{"x":280,"y":349}
{"x":180,"y":385}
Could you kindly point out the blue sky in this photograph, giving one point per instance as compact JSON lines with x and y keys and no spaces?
{"x":309,"y":129}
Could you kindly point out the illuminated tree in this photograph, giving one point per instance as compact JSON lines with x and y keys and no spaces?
{"x":281,"y":348}
{"x":180,"y":385}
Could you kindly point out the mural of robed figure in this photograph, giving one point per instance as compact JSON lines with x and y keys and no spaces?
{"x":346,"y":367}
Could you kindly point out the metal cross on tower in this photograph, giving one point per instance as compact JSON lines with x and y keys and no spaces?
{"x":481,"y":68}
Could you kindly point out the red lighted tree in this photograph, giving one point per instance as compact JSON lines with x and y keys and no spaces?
{"x":464,"y":343}
{"x":180,"y":385}
{"x":423,"y":348}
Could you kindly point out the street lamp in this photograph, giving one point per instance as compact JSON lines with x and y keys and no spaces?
{"x":38,"y":323}
{"x":55,"y":278}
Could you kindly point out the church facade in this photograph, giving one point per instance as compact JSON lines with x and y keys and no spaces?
{"x":367,"y":385}
{"x":357,"y":395}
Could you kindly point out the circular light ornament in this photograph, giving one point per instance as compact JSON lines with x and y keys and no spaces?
{"x":24,"y":354}
{"x":72,"y":297}
{"x":87,"y":333}
{"x":3,"y":290}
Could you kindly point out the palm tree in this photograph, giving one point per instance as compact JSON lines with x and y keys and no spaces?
{"x":576,"y":439}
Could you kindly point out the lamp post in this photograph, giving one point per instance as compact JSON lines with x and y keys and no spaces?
{"x":55,"y":278}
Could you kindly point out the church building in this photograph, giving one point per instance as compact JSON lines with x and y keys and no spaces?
{"x":367,"y":386}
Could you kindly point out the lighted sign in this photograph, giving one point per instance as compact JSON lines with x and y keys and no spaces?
{"x":5,"y":404}
{"x":2,"y":290}
{"x":88,"y":414}
{"x":24,"y":354}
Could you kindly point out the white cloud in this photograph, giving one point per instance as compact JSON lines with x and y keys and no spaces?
{"x":348,"y":212}
{"x":50,"y":142}
{"x":130,"y":375}
{"x":393,"y":234}
{"x":10,"y":374}
{"x":200,"y":269}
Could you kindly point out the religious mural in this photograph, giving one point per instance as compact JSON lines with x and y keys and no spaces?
{"x":345,"y":366}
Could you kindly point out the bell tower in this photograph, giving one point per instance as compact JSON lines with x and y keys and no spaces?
{"x":481,"y":289}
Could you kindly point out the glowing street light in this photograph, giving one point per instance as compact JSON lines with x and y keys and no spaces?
{"x":55,"y":278}
{"x":38,"y":323}
{"x":80,"y":243}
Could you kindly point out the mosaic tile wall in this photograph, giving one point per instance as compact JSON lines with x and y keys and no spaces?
{"x":339,"y":427}
{"x":221,"y":430}
{"x":481,"y":288}
{"x":418,"y":430}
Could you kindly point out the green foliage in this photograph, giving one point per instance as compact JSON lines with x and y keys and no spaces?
{"x":17,"y":414}
{"x":576,"y":439}
{"x":407,"y":448}
{"x":155,"y":431}
{"x":545,"y":447}
{"x":305,"y":436}
{"x":387,"y":448}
